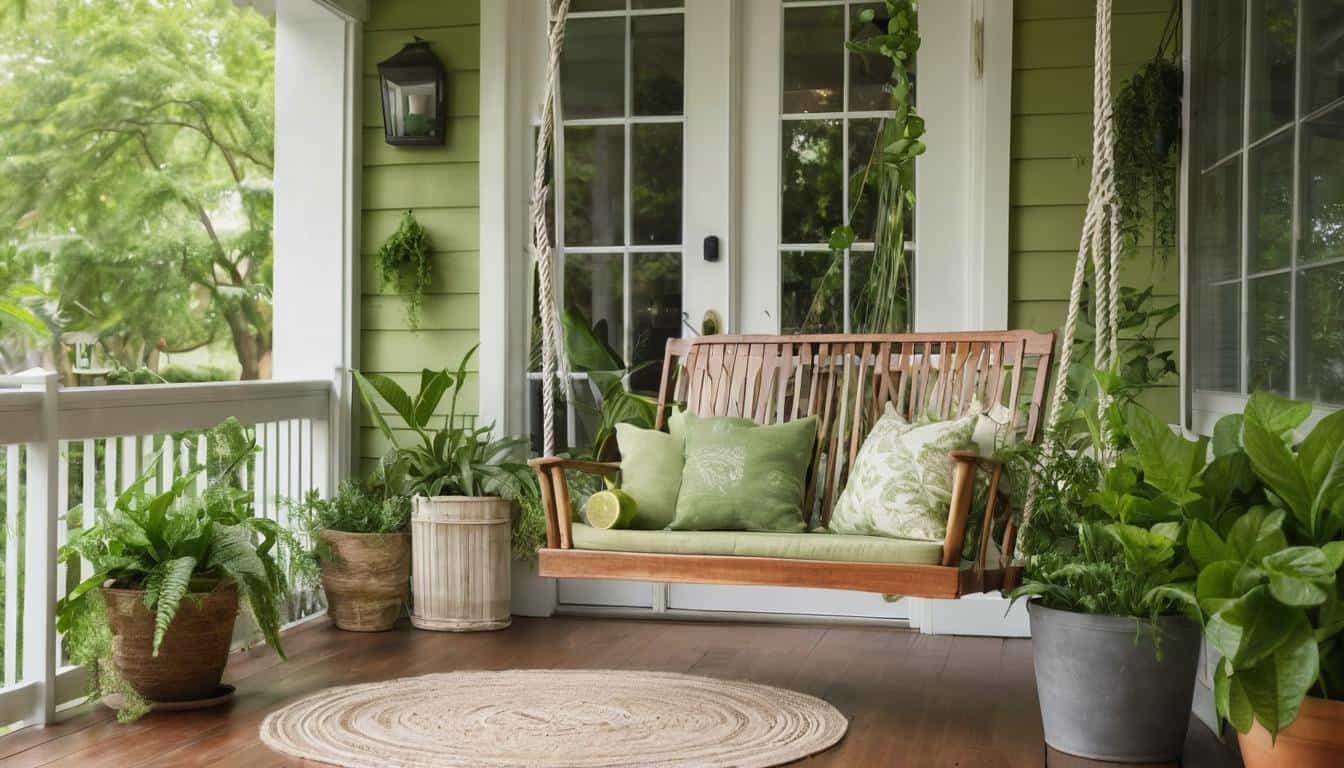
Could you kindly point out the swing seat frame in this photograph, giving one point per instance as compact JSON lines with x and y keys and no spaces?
{"x":846,"y":381}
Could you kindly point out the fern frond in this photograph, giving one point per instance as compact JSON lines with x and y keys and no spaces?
{"x":172,"y":586}
{"x":259,"y":581}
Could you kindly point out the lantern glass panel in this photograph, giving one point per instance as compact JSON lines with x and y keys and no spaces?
{"x":410,"y":102}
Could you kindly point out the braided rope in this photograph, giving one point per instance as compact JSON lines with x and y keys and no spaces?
{"x":551,"y":346}
{"x":1099,"y":242}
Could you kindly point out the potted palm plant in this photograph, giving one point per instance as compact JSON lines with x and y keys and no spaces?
{"x":1269,"y":584}
{"x":1108,"y":575}
{"x":155,"y":621}
{"x":462,"y":480}
{"x":360,"y":550}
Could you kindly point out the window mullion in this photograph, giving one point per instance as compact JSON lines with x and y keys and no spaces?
{"x":1243,"y":351}
{"x":1295,"y":228}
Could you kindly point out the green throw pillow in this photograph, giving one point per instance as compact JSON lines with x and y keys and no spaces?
{"x":651,"y":464}
{"x":741,"y":476}
{"x":901,"y":481}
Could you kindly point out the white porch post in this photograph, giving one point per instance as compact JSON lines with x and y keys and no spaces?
{"x":39,"y":600}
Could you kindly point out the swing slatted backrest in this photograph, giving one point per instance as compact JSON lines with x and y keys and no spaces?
{"x":846,"y":381}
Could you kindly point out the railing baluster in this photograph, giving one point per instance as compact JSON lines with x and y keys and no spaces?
{"x":62,"y":530}
{"x":202,"y":481}
{"x":147,"y":462}
{"x":167,"y":467}
{"x":109,"y":472}
{"x":12,"y":540}
{"x":88,"y":464}
{"x":128,"y":455}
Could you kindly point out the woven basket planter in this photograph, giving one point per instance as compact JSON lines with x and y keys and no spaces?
{"x":460,"y":563}
{"x":367,"y":578}
{"x":193,"y":652}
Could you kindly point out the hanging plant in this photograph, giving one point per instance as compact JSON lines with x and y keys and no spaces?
{"x":1147,"y":147}
{"x":884,"y":304}
{"x":403,"y":263}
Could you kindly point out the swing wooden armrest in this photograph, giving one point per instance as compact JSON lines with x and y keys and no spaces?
{"x":772,"y":379}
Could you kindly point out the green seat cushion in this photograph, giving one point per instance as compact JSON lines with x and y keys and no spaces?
{"x":833,"y":547}
{"x":741,"y":476}
{"x":651,"y":464}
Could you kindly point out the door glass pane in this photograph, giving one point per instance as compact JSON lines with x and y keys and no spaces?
{"x":592,"y":75}
{"x":1217,"y":241}
{"x":868,"y":72}
{"x":655,"y":183}
{"x":812,"y":287}
{"x":1273,"y":63}
{"x":1268,"y":333}
{"x":657,"y":52}
{"x":655,"y":312}
{"x":594,"y":287}
{"x":1219,"y":79}
{"x":1219,"y":338}
{"x":812,"y":180}
{"x":594,"y":185}
{"x":814,"y":59}
{"x":1320,"y":334}
{"x":640,"y":5}
{"x":862,"y":135}
{"x":1323,"y":181}
{"x":1271,"y":212}
{"x":1324,"y":25}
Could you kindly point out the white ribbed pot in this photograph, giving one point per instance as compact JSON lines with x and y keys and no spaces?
{"x":460,"y":563}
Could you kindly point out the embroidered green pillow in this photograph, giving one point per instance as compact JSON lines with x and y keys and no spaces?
{"x":901,"y":481}
{"x":741,"y":476}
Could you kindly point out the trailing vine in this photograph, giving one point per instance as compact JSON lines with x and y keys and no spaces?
{"x":403,"y":263}
{"x":1147,"y":146}
{"x":884,"y":304}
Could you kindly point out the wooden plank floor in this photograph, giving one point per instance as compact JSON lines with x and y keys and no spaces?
{"x":912,"y":700}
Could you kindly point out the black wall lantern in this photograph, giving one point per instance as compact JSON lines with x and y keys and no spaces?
{"x":414,"y":88}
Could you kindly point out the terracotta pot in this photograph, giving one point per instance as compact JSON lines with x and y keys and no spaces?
{"x":367,"y":579}
{"x":1314,"y":740}
{"x":193,"y":652}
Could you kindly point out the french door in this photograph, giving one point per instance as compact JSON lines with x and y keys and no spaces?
{"x":738,"y":120}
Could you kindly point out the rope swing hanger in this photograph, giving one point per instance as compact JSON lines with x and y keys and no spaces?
{"x":1101,"y":245}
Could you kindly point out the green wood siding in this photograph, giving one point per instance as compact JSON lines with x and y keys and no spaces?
{"x":1051,"y":147}
{"x":441,"y":185}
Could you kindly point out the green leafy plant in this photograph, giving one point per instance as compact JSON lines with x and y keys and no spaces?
{"x":1147,"y":146}
{"x":357,"y":507}
{"x":174,"y":545}
{"x":885,"y":302}
{"x":451,"y":460}
{"x":1111,"y":540}
{"x":404,"y":264}
{"x":1269,"y":582}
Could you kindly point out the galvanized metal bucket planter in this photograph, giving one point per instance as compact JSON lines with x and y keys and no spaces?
{"x":1113,"y":687}
{"x":460,"y":563}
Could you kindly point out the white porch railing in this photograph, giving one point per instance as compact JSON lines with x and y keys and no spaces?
{"x":60,"y":448}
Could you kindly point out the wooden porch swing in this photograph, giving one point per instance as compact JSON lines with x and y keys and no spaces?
{"x":845,"y":380}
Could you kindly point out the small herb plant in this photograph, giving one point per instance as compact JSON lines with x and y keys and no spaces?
{"x":404,"y":263}
{"x":451,"y":460}
{"x":357,"y":507}
{"x":173,"y":545}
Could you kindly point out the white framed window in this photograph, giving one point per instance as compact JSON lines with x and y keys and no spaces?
{"x":1265,"y":186}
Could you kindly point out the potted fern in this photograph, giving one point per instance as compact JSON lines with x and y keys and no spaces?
{"x":155,"y":621}
{"x":360,"y":551}
{"x":463,"y":482}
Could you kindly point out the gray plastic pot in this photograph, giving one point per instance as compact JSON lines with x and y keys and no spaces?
{"x":1105,"y":692}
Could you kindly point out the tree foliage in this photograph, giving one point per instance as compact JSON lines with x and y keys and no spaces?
{"x":137,"y":143}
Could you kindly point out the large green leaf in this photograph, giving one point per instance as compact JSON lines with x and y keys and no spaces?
{"x":1169,"y":462}
{"x":1278,"y":683}
{"x":1251,"y":627}
{"x":1257,"y":533}
{"x":1275,"y":465}
{"x":1227,"y":435}
{"x":1144,"y":550}
{"x":432,"y":386}
{"x":1216,"y":586}
{"x":369,"y":394}
{"x":1275,"y":413}
{"x":1205,"y":545}
{"x":587,"y":351}
{"x":1229,"y":696}
{"x":1299,"y":575}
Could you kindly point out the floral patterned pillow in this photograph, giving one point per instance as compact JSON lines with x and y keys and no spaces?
{"x":901,"y":482}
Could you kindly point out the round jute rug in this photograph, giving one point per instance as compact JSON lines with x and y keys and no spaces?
{"x":548,"y":717}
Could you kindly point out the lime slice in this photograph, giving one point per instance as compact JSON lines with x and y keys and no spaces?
{"x":610,"y":509}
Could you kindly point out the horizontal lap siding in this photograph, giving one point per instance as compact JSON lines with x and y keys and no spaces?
{"x":441,"y":185}
{"x":1051,"y":148}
